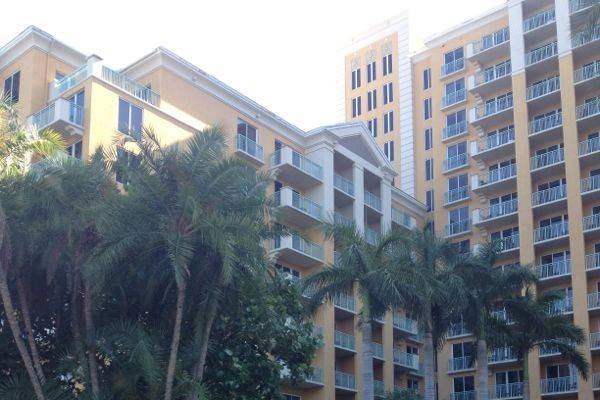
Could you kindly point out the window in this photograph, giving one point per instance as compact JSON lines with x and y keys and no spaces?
{"x":287,"y":272}
{"x":555,"y":258}
{"x":462,"y":349}
{"x":76,"y":108}
{"x":427,"y":110}
{"x":412,"y":384}
{"x":356,"y":78}
{"x":455,"y":91}
{"x":130,"y":119}
{"x":12,"y":87}
{"x":388,"y":122}
{"x":429,"y":169}
{"x":74,"y":150}
{"x":456,"y":152}
{"x":453,"y":61}
{"x":426,"y":78}
{"x":458,"y":118}
{"x":372,"y":125}
{"x":372,"y":99}
{"x":428,"y":138}
{"x":462,"y":247}
{"x":412,"y":350}
{"x":125,"y":159}
{"x":387,"y":64}
{"x":505,"y":233}
{"x":458,"y":181}
{"x":356,"y":107}
{"x":429,"y":204}
{"x":430,"y":226}
{"x":388,"y":150}
{"x":507,"y":377}
{"x":464,"y":384}
{"x":371,"y":71}
{"x":558,"y":371}
{"x":388,"y":93}
{"x":458,"y":215}
{"x":247,"y":130}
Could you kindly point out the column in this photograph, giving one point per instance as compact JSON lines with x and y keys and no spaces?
{"x":386,"y":204}
{"x":358,"y":178}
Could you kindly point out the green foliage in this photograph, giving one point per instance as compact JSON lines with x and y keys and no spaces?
{"x":403,"y":394}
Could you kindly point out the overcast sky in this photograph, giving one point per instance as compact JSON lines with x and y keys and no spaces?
{"x":287,"y":55}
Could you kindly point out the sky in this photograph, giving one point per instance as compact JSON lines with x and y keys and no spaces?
{"x":286,"y":55}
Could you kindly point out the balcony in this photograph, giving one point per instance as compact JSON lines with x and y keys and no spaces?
{"x":297,"y":250}
{"x":373,"y":201}
{"x":460,"y":364}
{"x":249,"y":149}
{"x":378,"y":389}
{"x":535,"y":59}
{"x":593,"y":301}
{"x":551,"y":233}
{"x":454,"y":130}
{"x":345,"y":302}
{"x":498,"y":179}
{"x":592,"y":262}
{"x":538,"y":21}
{"x":490,"y":47}
{"x":546,"y":350}
{"x":555,"y":195}
{"x":591,"y":225}
{"x":372,"y":236}
{"x":590,"y":187}
{"x":585,"y":78}
{"x":345,"y":381}
{"x":587,"y":114}
{"x":62,"y":116}
{"x":291,"y":166}
{"x":495,"y":145}
{"x":311,"y":380}
{"x":544,"y":93}
{"x":344,"y":342}
{"x":458,"y":228}
{"x":576,"y":6}
{"x":378,"y":352}
{"x":454,"y":196}
{"x":502,"y":355}
{"x":343,"y":185}
{"x":455,"y":162}
{"x":491,"y":79}
{"x":581,"y":39}
{"x":296,"y":209}
{"x":403,"y":219}
{"x":452,"y":67}
{"x":546,"y":160}
{"x":596,"y":381}
{"x":565,"y":384}
{"x":492,"y":112}
{"x":454,"y":98}
{"x":589,"y":151}
{"x":500,"y":213}
{"x":457,"y":330}
{"x":506,"y":391}
{"x":502,"y":315}
{"x":468,"y":395}
{"x":594,"y":341}
{"x":404,"y":324}
{"x":508,"y":244}
{"x":341,"y":219}
{"x":561,"y":307}
{"x":405,"y":360}
{"x":554,"y":270}
{"x":545,"y":129}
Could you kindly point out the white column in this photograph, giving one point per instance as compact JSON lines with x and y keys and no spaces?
{"x":563,"y":27}
{"x":323,"y":194}
{"x":517,"y":43}
{"x":386,"y":205}
{"x":358,"y":178}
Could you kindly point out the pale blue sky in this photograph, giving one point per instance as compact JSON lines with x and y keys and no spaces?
{"x":284,"y":54}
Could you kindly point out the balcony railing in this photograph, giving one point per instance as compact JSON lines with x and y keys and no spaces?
{"x":541,"y":19}
{"x":302,"y":245}
{"x":130,"y":86}
{"x":49,"y":114}
{"x":454,"y":98}
{"x":496,"y":140}
{"x":250,"y":147}
{"x":378,"y":388}
{"x":558,"y":385}
{"x":69,"y":81}
{"x":594,"y":340}
{"x":299,"y":202}
{"x":492,"y":40}
{"x":502,"y":354}
{"x":543,"y":88}
{"x":590,"y":184}
{"x":406,"y":359}
{"x":587,"y":72}
{"x":508,"y":243}
{"x":562,"y":306}
{"x":454,"y":195}
{"x":343,"y":184}
{"x":344,"y":340}
{"x":341,"y":219}
{"x":506,"y":391}
{"x":372,"y":236}
{"x":468,"y":395}
{"x":458,"y":227}
{"x":502,"y":315}
{"x":547,"y":159}
{"x":316,"y":376}
{"x":377,"y":350}
{"x":541,"y":53}
{"x":497,"y":175}
{"x":578,"y":5}
{"x":403,"y":219}
{"x":458,"y":329}
{"x":588,"y":109}
{"x":592,"y":261}
{"x":345,"y":301}
{"x":549,"y":195}
{"x":493,"y":107}
{"x":493,"y":73}
{"x":405,"y":324}
{"x":453,"y":66}
{"x":551,"y":231}
{"x":453,"y":130}
{"x":589,"y":146}
{"x":373,"y":201}
{"x":582,"y":38}
{"x":546,"y":123}
{"x":345,"y":381}
{"x":591,"y":222}
{"x":593,"y":300}
{"x":554,"y":269}
{"x":460,"y":364}
{"x":548,"y":350}
{"x":299,"y":161}
{"x":455,"y":162}
{"x":501,"y":209}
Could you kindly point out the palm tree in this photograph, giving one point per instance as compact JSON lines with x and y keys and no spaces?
{"x":362,"y":266}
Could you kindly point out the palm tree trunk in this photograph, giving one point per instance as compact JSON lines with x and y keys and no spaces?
{"x":35,"y":355}
{"x":367,"y":361}
{"x":198,"y":372}
{"x":76,"y":311}
{"x":428,"y":363}
{"x":482,"y":370}
{"x":181,"y":291}
{"x":526,"y":393}
{"x":90,"y":338}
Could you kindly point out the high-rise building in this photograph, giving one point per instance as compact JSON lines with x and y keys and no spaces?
{"x":504,"y":139}
{"x":335,"y":171}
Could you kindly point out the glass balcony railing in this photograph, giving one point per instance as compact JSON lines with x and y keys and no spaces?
{"x":372,"y":236}
{"x":596,"y":381}
{"x":130,"y":86}
{"x":298,"y":202}
{"x":403,"y":219}
{"x":301,"y":245}
{"x":594,"y":340}
{"x":406,"y":359}
{"x":591,"y":222}
{"x":343,"y":184}
{"x":344,"y":341}
{"x":460,"y":364}
{"x":492,"y":40}
{"x":547,"y":159}
{"x":250,"y":147}
{"x":588,"y":109}
{"x":549,"y":85}
{"x":593,"y":300}
{"x":592,"y":261}
{"x":493,"y":107}
{"x":590,"y":184}
{"x":316,"y":376}
{"x":373,"y":201}
{"x":457,"y":329}
{"x":582,"y":38}
{"x":539,"y":20}
{"x":502,"y":315}
{"x":549,"y":195}
{"x":579,"y":5}
{"x":554,"y":269}
{"x":502,"y":354}
{"x":405,"y":324}
{"x":562,"y":306}
{"x":541,"y":53}
{"x":546,"y":123}
{"x":501,"y":209}
{"x":341,"y":219}
{"x":49,"y":114}
{"x":454,"y":98}
{"x":452,"y":67}
{"x":377,"y":350}
{"x":71,"y":80}
{"x":455,"y":162}
{"x":563,"y":384}
{"x":493,"y":73}
{"x":458,"y":227}
{"x":345,"y":381}
{"x":468,"y":395}
{"x":587,"y":72}
{"x":458,"y":194}
{"x":496,"y":140}
{"x":453,"y":130}
{"x":589,"y":146}
{"x":297,"y":160}
{"x":506,"y":391}
{"x":378,"y":388}
{"x":551,"y":231}
{"x":508,"y":243}
{"x":345,"y":301}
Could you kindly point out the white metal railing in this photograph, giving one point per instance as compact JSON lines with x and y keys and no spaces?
{"x":501,"y":209}
{"x":297,"y":160}
{"x":549,"y":195}
{"x":582,"y":38}
{"x":497,"y":175}
{"x":345,"y":381}
{"x":493,"y":73}
{"x":457,"y":161}
{"x":458,"y":329}
{"x":578,"y":5}
{"x":299,"y":202}
{"x":508,"y":243}
{"x":554,"y":269}
{"x":541,"y":53}
{"x":494,"y":107}
{"x":587,"y":72}
{"x":404,"y":359}
{"x":558,"y":385}
{"x":496,"y":140}
{"x":345,"y":301}
{"x":561,"y":306}
{"x":591,"y":222}
{"x":373,"y":201}
{"x":402,"y":218}
{"x":506,"y":391}
{"x":371,"y":236}
{"x":468,"y":395}
{"x":344,"y":340}
{"x":460,"y":364}
{"x":548,"y":158}
{"x":592,"y":261}
{"x":377,"y":350}
{"x":539,"y":20}
{"x":594,"y":340}
{"x":405,"y":324}
{"x":453,"y":66}
{"x":250,"y":147}
{"x":502,"y":354}
{"x":302,"y":245}
{"x":457,"y":194}
{"x":502,"y":315}
{"x":593,"y":300}
{"x":590,"y":184}
{"x":130,"y":86}
{"x":546,"y":123}
{"x":588,"y":109}
{"x":454,"y":98}
{"x":458,"y":227}
{"x":548,"y":85}
{"x":453,"y":130}
{"x":547,"y":350}
{"x":551,"y":231}
{"x":492,"y":40}
{"x":589,"y":146}
{"x":343,"y":184}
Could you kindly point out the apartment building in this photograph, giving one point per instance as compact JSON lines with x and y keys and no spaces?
{"x":335,"y":171}
{"x":506,"y":115}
